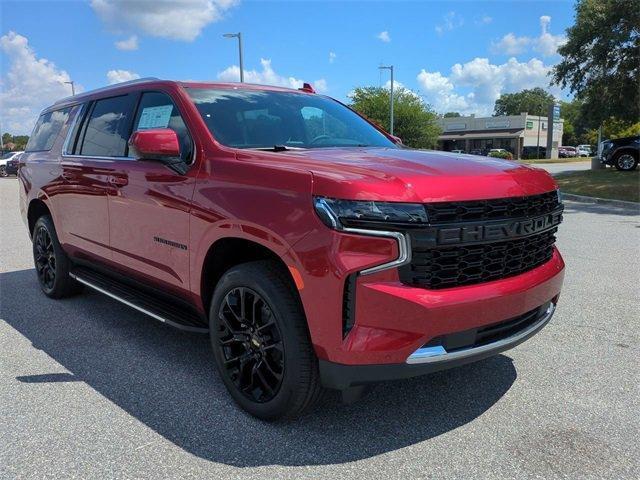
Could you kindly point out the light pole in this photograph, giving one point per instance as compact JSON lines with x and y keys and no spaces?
{"x":73,"y":90}
{"x":239,"y":37}
{"x":389,"y":67}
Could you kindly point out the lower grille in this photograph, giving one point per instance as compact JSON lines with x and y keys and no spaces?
{"x":477,"y":337}
{"x":465,"y":265}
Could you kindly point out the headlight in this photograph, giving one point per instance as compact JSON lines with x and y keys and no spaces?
{"x":340,"y":214}
{"x":559,"y":195}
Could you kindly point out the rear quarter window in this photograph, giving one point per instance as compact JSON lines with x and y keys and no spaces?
{"x":47,"y":130}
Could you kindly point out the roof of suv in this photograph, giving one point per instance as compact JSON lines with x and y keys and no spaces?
{"x":152,"y":81}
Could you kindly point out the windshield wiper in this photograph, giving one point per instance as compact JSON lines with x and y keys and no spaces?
{"x":277,"y":148}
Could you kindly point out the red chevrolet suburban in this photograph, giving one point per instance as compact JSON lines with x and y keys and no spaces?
{"x":314,"y":248}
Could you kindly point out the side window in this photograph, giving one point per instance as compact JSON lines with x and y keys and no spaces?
{"x":157,"y":110}
{"x":47,"y":129}
{"x":107,"y":129}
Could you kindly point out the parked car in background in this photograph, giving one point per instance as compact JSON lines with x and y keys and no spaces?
{"x":11,"y":167}
{"x":584,"y":150}
{"x":478,"y":151}
{"x":4,"y":160}
{"x":567,"y":152}
{"x":531,"y":152}
{"x":457,"y":151}
{"x":622,"y":153}
{"x":316,"y":254}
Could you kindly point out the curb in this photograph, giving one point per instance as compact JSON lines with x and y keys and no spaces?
{"x":601,"y":201}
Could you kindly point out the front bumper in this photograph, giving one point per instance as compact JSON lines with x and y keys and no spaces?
{"x":428,"y":359}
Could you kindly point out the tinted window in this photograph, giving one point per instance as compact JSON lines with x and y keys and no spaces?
{"x":262,"y":119}
{"x":47,"y":129}
{"x":107,"y":130}
{"x":157,"y":110}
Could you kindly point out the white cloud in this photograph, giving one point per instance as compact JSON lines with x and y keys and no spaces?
{"x":267,"y":76}
{"x":130,"y":43}
{"x":177,"y":20}
{"x":484,"y":20}
{"x":511,"y":45}
{"x":119,"y":76}
{"x":546,"y":44}
{"x":29,"y":85}
{"x":384,"y":36}
{"x":450,"y":21}
{"x":484,"y":82}
{"x":332,"y":57}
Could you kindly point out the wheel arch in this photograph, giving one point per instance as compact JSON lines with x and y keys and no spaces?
{"x":37,"y":208}
{"x":228,"y":252}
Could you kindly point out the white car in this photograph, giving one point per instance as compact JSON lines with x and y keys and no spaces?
{"x":4,"y":159}
{"x":584,"y":150}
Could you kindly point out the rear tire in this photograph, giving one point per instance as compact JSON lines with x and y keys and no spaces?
{"x":3,"y":171}
{"x":52,"y":264}
{"x":626,"y":161}
{"x":261,"y":343}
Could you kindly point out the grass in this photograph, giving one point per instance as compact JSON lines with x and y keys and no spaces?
{"x":556,"y":160}
{"x":606,"y":183}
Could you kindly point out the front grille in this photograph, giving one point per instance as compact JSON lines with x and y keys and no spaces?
{"x":496,"y":209}
{"x":475,"y":258}
{"x":457,"y":266}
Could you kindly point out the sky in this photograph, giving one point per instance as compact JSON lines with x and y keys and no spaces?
{"x":457,"y":55}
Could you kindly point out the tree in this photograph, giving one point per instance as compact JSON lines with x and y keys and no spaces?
{"x":415,"y":123}
{"x":451,"y":115}
{"x":613,"y":128}
{"x":535,"y":102}
{"x":601,"y":59}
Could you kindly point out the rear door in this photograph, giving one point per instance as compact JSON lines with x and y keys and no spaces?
{"x":150,"y":205}
{"x":94,"y":148}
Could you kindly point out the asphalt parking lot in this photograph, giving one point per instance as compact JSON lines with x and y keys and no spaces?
{"x":92,"y":389}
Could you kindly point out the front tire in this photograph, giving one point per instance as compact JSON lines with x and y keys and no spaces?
{"x":626,"y":161}
{"x":52,"y":264}
{"x":261,"y":343}
{"x":3,"y":171}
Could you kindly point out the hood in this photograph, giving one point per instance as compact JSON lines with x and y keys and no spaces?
{"x":417,"y":175}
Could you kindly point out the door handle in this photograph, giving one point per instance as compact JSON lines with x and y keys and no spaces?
{"x":118,"y":181}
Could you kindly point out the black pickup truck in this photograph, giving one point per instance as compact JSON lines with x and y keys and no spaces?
{"x":621,"y":153}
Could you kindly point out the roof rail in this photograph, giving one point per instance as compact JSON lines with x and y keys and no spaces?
{"x":107,"y":88}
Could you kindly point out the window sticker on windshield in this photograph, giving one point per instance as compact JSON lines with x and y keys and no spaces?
{"x":155,"y":117}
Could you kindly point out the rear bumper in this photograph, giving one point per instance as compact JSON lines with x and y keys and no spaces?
{"x":426,"y":359}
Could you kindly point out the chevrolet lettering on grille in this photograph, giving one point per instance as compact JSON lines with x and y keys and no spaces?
{"x":490,"y":232}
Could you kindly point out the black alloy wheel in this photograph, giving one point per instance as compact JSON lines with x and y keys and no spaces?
{"x":261,"y":342}
{"x":45,"y":258}
{"x":251,"y":344}
{"x":51,"y":262}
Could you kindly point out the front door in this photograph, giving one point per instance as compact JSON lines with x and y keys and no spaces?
{"x":150,"y":205}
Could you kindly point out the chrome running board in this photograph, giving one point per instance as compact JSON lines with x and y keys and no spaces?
{"x":154,"y":307}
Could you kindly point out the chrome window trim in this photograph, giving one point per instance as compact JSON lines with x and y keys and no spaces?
{"x":437,"y":354}
{"x":102,"y":159}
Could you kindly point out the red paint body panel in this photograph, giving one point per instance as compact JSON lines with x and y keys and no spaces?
{"x":112,"y":210}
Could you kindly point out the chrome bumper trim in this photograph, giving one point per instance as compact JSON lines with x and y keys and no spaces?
{"x":438,"y":354}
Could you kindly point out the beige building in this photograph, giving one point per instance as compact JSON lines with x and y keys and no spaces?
{"x":511,"y":132}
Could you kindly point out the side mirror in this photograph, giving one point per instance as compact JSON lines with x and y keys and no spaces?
{"x":158,"y":144}
{"x":396,"y":140}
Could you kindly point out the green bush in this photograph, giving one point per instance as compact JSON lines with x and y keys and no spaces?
{"x":505,"y":155}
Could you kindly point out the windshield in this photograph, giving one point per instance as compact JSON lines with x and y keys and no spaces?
{"x":266,"y":119}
